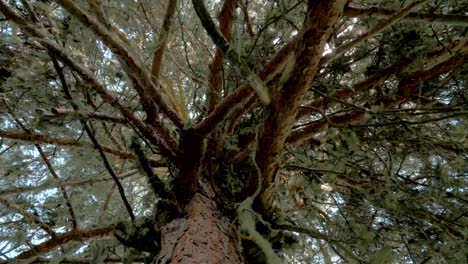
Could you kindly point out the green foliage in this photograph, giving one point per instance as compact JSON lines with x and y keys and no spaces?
{"x":383,"y":256}
{"x":380,"y":179}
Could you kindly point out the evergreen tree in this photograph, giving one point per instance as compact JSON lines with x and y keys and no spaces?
{"x":268,"y":131}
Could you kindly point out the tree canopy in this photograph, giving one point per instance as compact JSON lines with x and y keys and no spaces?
{"x":322,"y":131}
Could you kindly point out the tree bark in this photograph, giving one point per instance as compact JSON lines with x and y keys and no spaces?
{"x":208,"y":237}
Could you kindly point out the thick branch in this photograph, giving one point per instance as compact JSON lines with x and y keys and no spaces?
{"x":216,"y":71}
{"x":89,"y":78}
{"x":321,"y":17}
{"x":140,"y":77}
{"x":215,"y":78}
{"x":158,"y":140}
{"x":158,"y":55}
{"x":134,"y":71}
{"x":273,"y":67}
{"x":378,"y":78}
{"x":137,"y":73}
{"x":303,"y":134}
{"x":458,"y":20}
{"x":406,"y":87}
{"x":193,"y":147}
{"x":410,"y":84}
{"x":255,"y":82}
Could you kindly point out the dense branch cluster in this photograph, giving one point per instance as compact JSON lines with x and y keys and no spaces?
{"x":335,"y":127}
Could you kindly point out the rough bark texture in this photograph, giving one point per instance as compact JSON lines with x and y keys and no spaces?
{"x":192,"y":147}
{"x":208,"y":238}
{"x":321,"y":17}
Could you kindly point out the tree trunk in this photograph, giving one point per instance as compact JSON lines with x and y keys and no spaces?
{"x":205,"y":237}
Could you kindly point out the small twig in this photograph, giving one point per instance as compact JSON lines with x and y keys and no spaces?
{"x":424,"y":121}
{"x":322,"y":113}
{"x":338,"y":100}
{"x":27,"y":215}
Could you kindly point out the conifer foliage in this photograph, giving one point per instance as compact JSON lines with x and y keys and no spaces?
{"x":241,"y":131}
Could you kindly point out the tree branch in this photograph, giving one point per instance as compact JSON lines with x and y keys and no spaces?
{"x":406,"y":87}
{"x":138,"y":74}
{"x":58,"y":112}
{"x":37,"y":138}
{"x":315,"y":234}
{"x":100,"y":15}
{"x":403,"y":66}
{"x":255,"y":82}
{"x":27,"y":215}
{"x":47,"y":163}
{"x":79,"y":235}
{"x":456,"y":20}
{"x":63,"y":184}
{"x":62,"y":189}
{"x":71,"y":260}
{"x":378,"y":28}
{"x":247,"y":20}
{"x":241,"y":94}
{"x":89,"y":78}
{"x":216,"y":70}
{"x":410,"y":84}
{"x":91,"y":136}
{"x":162,"y":42}
{"x":215,"y":78}
{"x":321,"y":18}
